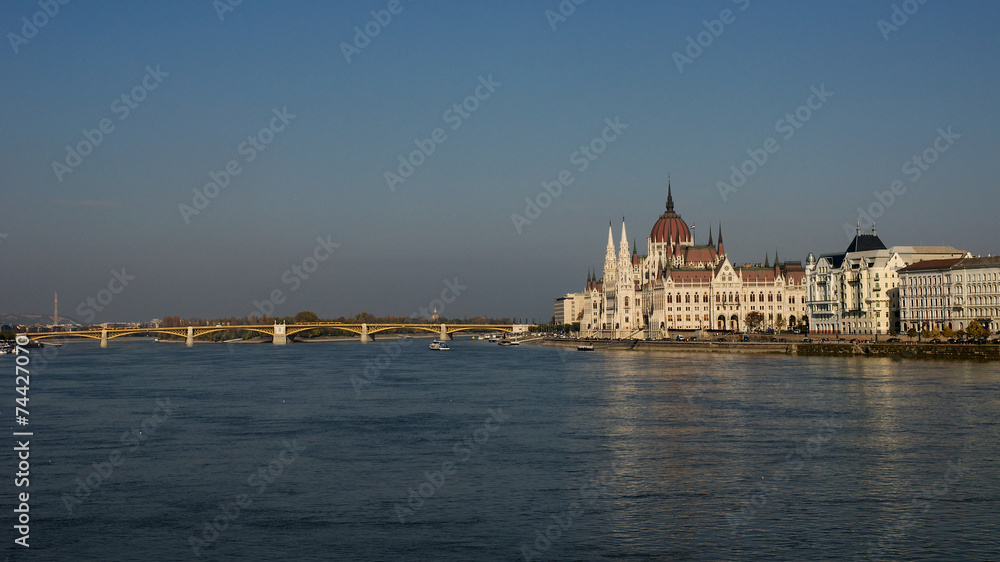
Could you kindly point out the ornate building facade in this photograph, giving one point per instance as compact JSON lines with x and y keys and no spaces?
{"x":678,"y":285}
{"x":950,"y":293}
{"x":857,"y":291}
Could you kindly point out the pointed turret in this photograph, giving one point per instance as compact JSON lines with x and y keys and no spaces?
{"x":766,"y":263}
{"x":776,"y":262}
{"x":710,"y":243}
{"x":670,"y":196}
{"x":722,"y":250}
{"x":610,"y":260}
{"x":624,"y":257}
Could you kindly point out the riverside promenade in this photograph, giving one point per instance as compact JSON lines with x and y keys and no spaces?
{"x":830,"y":348}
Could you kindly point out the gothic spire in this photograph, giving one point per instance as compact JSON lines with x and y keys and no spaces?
{"x":710,"y":243}
{"x":776,"y":262}
{"x":766,"y":263}
{"x":670,"y":196}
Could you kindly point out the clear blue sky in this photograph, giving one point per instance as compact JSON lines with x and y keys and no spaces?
{"x":323,"y":175}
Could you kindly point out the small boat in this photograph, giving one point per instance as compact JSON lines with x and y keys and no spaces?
{"x":515,"y":342}
{"x":438,"y":345}
{"x":586,"y":347}
{"x":505,"y":343}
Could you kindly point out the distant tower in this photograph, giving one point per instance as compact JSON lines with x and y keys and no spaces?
{"x":55,"y":313}
{"x":434,"y":317}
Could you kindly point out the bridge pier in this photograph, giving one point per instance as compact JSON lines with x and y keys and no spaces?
{"x":104,"y":337}
{"x":279,"y":334}
{"x":365,"y":338}
{"x":445,"y":336}
{"x":190,"y":338}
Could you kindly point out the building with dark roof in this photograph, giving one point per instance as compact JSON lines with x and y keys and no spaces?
{"x":857,"y":291}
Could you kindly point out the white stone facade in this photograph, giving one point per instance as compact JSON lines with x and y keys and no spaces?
{"x":950,"y":294}
{"x":857,"y":291}
{"x":679,"y":285}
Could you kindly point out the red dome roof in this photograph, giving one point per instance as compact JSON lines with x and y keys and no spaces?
{"x":670,"y":226}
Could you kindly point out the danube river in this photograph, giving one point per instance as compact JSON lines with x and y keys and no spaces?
{"x":388,"y":451}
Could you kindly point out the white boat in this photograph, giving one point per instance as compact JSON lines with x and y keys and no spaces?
{"x":586,"y":347}
{"x":438,"y":345}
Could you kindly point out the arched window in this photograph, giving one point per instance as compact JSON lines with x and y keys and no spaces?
{"x":752,"y":298}
{"x":626,"y":301}
{"x":696,"y":297}
{"x":670,"y":298}
{"x":687,"y":297}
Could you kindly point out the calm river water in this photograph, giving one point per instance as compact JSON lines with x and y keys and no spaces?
{"x":388,"y":451}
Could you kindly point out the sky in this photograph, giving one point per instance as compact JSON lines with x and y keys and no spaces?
{"x":201,"y":159}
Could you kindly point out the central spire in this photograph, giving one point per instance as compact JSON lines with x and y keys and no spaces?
{"x":670,"y":196}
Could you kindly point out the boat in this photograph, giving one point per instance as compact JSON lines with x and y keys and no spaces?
{"x":505,"y":343}
{"x":438,"y":345}
{"x":515,"y":342}
{"x":585,"y":347}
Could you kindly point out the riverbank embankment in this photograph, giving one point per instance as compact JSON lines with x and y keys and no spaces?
{"x":836,"y":349}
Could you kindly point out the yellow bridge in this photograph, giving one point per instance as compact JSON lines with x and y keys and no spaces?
{"x":279,"y":332}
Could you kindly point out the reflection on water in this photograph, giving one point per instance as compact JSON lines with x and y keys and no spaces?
{"x":624,"y":455}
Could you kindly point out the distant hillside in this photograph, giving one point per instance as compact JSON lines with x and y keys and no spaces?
{"x":29,"y":319}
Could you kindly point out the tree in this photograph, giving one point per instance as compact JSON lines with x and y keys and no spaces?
{"x":306,"y":316}
{"x":947,"y":332}
{"x":976,"y":330}
{"x":912,"y":332}
{"x":755,"y":320}
{"x":779,"y":322}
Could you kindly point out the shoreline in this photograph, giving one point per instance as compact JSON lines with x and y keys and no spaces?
{"x":984,"y":352}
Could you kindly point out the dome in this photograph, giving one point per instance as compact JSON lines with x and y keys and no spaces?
{"x":670,"y":226}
